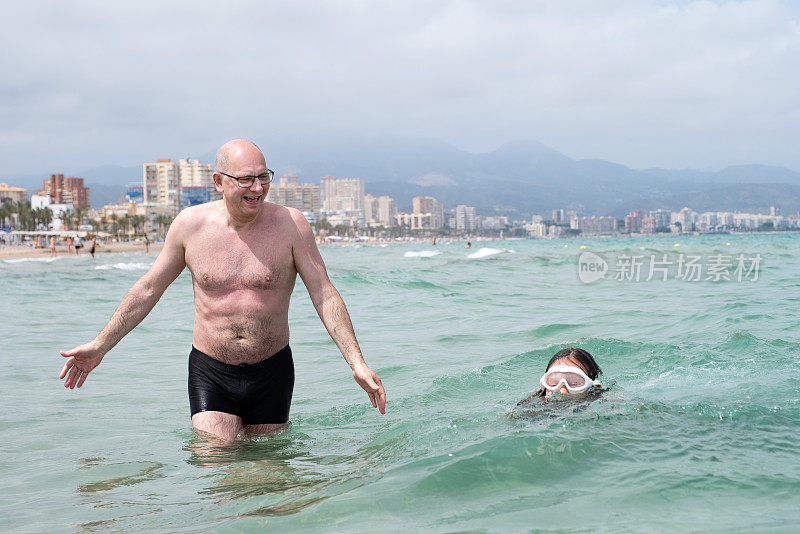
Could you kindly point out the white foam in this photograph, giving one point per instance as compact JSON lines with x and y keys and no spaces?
{"x":20,"y":260}
{"x":421,"y":253}
{"x":485,"y":253}
{"x":124,"y":267}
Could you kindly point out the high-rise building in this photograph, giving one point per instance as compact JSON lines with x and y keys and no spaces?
{"x":594,"y":225}
{"x":194,"y":173}
{"x":387,"y":210}
{"x":662,"y":218}
{"x":343,"y":201}
{"x":370,"y":209}
{"x":69,"y":190}
{"x":648,"y":225}
{"x":161,"y":184}
{"x":342,"y":195}
{"x":305,"y":197}
{"x":684,"y":220}
{"x":289,"y":180}
{"x":559,"y":216}
{"x":465,"y":218}
{"x":633,"y":222}
{"x":430,"y":205}
{"x":327,"y":185}
{"x":571,"y":214}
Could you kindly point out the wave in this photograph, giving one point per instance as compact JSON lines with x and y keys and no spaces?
{"x":20,"y":260}
{"x":487,"y":252}
{"x":421,"y":253}
{"x":124,"y":267}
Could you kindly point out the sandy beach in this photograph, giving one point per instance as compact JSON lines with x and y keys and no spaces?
{"x":24,"y":251}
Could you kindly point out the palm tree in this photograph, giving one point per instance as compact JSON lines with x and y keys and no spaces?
{"x":23,"y":210}
{"x":137,"y":221}
{"x":113,"y":218}
{"x":125,"y":222}
{"x":47,"y":217}
{"x":80,"y":214}
{"x":36,"y":216}
{"x":68,"y":218}
{"x":27,"y":216}
{"x":5,"y":212}
{"x":163,"y":221}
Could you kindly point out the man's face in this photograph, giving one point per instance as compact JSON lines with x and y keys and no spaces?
{"x":248,"y":161}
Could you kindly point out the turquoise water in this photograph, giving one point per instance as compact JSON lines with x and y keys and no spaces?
{"x":697,"y":432}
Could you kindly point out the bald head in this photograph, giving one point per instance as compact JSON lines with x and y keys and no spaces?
{"x":235,"y":151}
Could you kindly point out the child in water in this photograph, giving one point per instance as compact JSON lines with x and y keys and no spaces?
{"x":570,"y":371}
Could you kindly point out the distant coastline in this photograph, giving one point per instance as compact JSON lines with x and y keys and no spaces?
{"x":25,"y":251}
{"x":28,"y":252}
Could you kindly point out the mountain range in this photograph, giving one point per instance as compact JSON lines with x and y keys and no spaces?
{"x":518,"y":179}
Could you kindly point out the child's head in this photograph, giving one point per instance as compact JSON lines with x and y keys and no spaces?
{"x":569,"y":371}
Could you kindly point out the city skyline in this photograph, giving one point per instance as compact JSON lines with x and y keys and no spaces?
{"x":528,"y":177}
{"x":167,"y":187}
{"x":168,"y":181}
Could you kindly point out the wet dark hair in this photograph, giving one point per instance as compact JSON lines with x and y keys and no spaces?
{"x":581,"y":356}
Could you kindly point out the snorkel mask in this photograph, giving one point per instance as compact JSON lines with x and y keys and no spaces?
{"x":571,"y":377}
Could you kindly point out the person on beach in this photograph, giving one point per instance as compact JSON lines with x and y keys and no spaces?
{"x":571,"y":371}
{"x":93,"y":245}
{"x":70,"y":245}
{"x":52,"y":246}
{"x":244,"y":255}
{"x":78,"y":244}
{"x":146,"y":244}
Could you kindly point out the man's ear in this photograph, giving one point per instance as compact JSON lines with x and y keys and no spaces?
{"x":217,"y":177}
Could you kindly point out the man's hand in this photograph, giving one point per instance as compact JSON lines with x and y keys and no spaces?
{"x":81,"y":361}
{"x":370,"y":383}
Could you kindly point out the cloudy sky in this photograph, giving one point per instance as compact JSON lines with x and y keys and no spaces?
{"x":641,"y":82}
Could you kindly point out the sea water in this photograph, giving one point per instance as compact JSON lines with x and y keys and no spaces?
{"x":697,"y":431}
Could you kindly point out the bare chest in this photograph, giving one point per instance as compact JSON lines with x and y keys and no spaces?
{"x":228,"y":263}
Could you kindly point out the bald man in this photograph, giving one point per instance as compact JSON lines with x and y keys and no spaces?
{"x":244,"y":254}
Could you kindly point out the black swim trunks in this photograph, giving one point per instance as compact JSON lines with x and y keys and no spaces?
{"x":259,"y":393}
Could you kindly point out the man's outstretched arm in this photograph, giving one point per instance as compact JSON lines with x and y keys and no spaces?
{"x":331,"y":309}
{"x":135,"y":306}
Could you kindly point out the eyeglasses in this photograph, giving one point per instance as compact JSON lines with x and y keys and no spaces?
{"x":568,"y":376}
{"x":248,"y":181}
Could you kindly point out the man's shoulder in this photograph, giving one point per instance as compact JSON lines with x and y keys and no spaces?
{"x":285,"y":214}
{"x":198,"y":213}
{"x":194,"y":218}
